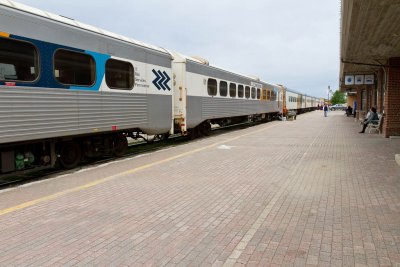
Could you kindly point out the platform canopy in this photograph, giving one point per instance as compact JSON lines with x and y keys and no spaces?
{"x":370,"y":35}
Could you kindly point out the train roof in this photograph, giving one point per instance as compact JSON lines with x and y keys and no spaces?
{"x":205,"y":62}
{"x":272,"y":84}
{"x":80,"y":25}
{"x":294,"y":91}
{"x":74,"y":23}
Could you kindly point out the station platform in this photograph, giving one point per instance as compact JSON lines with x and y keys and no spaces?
{"x":309,"y":192}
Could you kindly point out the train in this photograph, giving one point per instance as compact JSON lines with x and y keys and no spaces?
{"x":71,"y":91}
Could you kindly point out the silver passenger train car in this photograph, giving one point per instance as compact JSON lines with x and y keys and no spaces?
{"x":70,"y":91}
{"x":204,"y":94}
{"x":299,"y":102}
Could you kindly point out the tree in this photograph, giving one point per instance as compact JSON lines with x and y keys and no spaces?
{"x":338,"y":98}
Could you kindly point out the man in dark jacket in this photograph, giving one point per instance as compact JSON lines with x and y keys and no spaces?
{"x":325,"y":110}
{"x":349,"y":111}
{"x":372,"y":118}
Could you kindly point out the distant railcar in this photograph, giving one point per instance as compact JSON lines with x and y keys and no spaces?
{"x":298,"y":102}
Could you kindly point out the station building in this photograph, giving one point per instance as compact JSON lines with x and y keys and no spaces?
{"x":370,"y":59}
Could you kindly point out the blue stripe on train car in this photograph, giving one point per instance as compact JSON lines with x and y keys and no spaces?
{"x":45,"y":52}
{"x":100,"y":60}
{"x":46,"y":77}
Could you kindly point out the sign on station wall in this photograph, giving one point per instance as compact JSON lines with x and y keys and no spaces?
{"x":369,"y":79}
{"x":359,"y":79}
{"x":349,"y":80}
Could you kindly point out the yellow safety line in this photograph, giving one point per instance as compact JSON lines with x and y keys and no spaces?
{"x":4,"y":34}
{"x":115,"y":176}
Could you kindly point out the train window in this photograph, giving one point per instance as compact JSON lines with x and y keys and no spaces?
{"x":223,"y":88}
{"x":18,"y":61}
{"x":119,"y":74}
{"x":253,"y":92}
{"x":232,"y":89}
{"x":258,"y":93}
{"x":74,"y":68}
{"x":247,"y":91}
{"x":212,"y":87}
{"x":240,"y":91}
{"x":269,"y":95}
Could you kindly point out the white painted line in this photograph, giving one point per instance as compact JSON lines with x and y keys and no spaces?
{"x":225,"y":147}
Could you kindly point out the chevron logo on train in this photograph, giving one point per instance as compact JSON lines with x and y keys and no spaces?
{"x":161,"y":80}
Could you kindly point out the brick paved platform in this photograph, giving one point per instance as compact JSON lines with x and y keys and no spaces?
{"x":307,"y":192}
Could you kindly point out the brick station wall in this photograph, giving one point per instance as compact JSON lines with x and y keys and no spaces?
{"x":358,"y":90}
{"x":369,"y":91}
{"x":392,"y":99}
{"x":380,"y":89}
{"x":380,"y":76}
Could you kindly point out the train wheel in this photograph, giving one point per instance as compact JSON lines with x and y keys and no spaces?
{"x":120,"y":145}
{"x":194,"y":133}
{"x":206,"y":128}
{"x":70,"y":155}
{"x":165,"y":137}
{"x":162,"y":137}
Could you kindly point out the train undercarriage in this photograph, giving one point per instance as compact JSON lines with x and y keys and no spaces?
{"x":63,"y":152}
{"x":69,"y":152}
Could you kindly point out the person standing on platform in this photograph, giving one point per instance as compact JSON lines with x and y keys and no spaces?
{"x":326,"y":110}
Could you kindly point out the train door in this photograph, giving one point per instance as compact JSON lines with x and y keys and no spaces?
{"x":305,"y":102}
{"x":282,"y":100}
{"x":299,"y":102}
{"x":264,"y":94}
{"x":179,"y":93}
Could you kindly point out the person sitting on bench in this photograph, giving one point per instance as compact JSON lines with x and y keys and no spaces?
{"x":349,"y":111}
{"x":372,"y":118}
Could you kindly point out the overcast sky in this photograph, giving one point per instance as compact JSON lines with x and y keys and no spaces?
{"x":290,"y":42}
